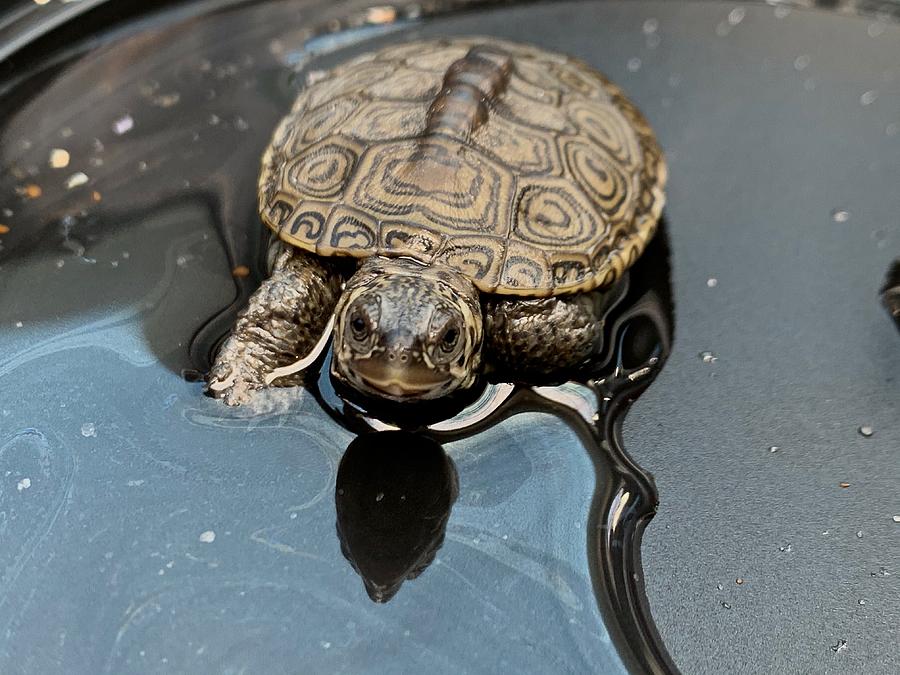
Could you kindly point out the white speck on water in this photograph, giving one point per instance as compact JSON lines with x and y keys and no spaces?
{"x":325,"y":645}
{"x":736,"y":15}
{"x":161,"y":571}
{"x":840,"y":216}
{"x":134,"y":483}
{"x":294,"y":516}
{"x":89,"y":430}
{"x":719,"y":587}
{"x":712,"y":282}
{"x":19,"y":324}
{"x":781,"y":11}
{"x":126,"y":255}
{"x":170,"y":564}
{"x":787,"y":548}
{"x":379,"y":496}
{"x":859,"y":534}
{"x":59,"y":158}
{"x":708,"y":357}
{"x":142,"y":166}
{"x":214,"y":119}
{"x":875,"y":29}
{"x":634,"y":64}
{"x":23,"y":484}
{"x":726,"y":605}
{"x":839,"y":647}
{"x":123,"y":125}
{"x":183,"y":260}
{"x":76,"y":180}
{"x":114,"y":263}
{"x":801,"y":62}
{"x":207,"y":537}
{"x":866,"y":431}
{"x":650,"y":26}
{"x":774,"y":448}
{"x":861,"y":601}
{"x":896,"y":519}
{"x":241,"y":124}
{"x":8,"y":213}
{"x":60,"y":263}
{"x":868,"y":97}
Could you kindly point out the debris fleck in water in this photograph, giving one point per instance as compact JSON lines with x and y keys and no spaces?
{"x":708,"y":357}
{"x":379,"y":496}
{"x":123,"y":125}
{"x":76,"y":180}
{"x":868,"y":97}
{"x":726,"y":605}
{"x":719,"y":586}
{"x":634,"y":64}
{"x":89,"y":430}
{"x":896,"y":519}
{"x":866,"y":431}
{"x":32,"y":191}
{"x":861,"y":601}
{"x":207,"y":537}
{"x":774,"y":448}
{"x":166,"y":100}
{"x":840,"y":216}
{"x":787,"y":548}
{"x":650,"y":26}
{"x":59,"y":158}
{"x":839,"y":647}
{"x":739,"y":581}
{"x":241,"y":272}
{"x":712,"y":282}
{"x":801,"y":62}
{"x":23,"y":484}
{"x":19,"y":324}
{"x":859,"y":534}
{"x":844,"y":485}
{"x":4,"y":229}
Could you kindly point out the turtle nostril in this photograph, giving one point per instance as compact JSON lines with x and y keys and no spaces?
{"x":404,"y":358}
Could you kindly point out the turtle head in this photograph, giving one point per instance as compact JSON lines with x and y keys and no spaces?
{"x":407,"y":331}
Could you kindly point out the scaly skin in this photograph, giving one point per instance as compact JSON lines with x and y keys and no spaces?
{"x":282,"y":322}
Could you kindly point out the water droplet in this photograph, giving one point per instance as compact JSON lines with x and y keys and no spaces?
{"x":76,"y":180}
{"x":207,"y":537}
{"x":23,"y":484}
{"x":774,"y":448}
{"x":801,"y":62}
{"x":875,"y":29}
{"x":712,"y":282}
{"x":650,"y":26}
{"x":868,"y":97}
{"x":123,"y":125}
{"x":59,"y":158}
{"x":708,"y":357}
{"x":866,"y":431}
{"x":736,"y":15}
{"x":89,"y":430}
{"x":839,"y":647}
{"x":840,"y":216}
{"x":634,"y":64}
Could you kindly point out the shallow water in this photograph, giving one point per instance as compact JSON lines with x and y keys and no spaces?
{"x":208,"y":534}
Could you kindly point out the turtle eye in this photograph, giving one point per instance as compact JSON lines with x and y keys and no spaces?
{"x":359,"y":327}
{"x":449,"y":339}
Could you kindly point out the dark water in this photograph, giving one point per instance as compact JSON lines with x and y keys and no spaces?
{"x":149,"y":529}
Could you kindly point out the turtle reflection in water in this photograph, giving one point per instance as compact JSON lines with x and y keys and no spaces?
{"x":459,"y":207}
{"x":395,"y":489}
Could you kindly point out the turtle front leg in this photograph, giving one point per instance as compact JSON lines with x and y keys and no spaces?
{"x":542,"y":338}
{"x":283,"y":321}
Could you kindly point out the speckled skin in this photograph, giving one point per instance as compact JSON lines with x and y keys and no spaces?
{"x":407,"y":308}
{"x":282,"y":322}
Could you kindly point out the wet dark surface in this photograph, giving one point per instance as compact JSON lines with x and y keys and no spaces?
{"x":149,"y":529}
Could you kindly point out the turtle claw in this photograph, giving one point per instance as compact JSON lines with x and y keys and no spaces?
{"x":231,"y":385}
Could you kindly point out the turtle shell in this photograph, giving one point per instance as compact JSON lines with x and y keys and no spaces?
{"x":525,"y":170}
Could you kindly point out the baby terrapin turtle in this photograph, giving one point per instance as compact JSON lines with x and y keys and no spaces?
{"x":491,"y":194}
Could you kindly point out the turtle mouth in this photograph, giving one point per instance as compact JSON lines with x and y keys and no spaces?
{"x":409,"y":381}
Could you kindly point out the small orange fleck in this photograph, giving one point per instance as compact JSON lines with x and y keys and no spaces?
{"x":4,"y":229}
{"x":96,"y":196}
{"x":845,"y":485}
{"x":241,"y":271}
{"x":383,"y":14}
{"x":33,"y":191}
